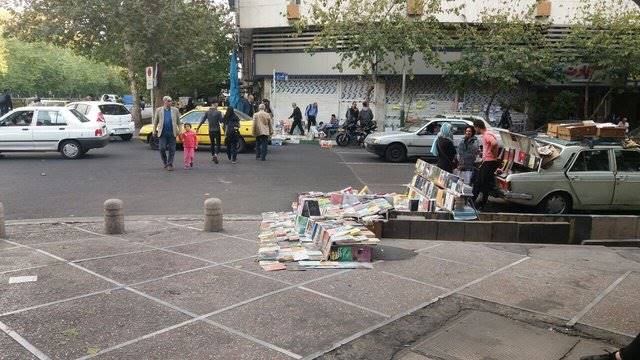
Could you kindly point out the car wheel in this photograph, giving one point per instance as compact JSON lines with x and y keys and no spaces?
{"x":71,"y":149}
{"x":556,"y":203}
{"x":153,"y":142}
{"x":242,"y":146}
{"x":342,"y":139}
{"x":126,"y":137}
{"x":396,"y":153}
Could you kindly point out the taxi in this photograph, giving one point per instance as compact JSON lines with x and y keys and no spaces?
{"x":193,"y":117}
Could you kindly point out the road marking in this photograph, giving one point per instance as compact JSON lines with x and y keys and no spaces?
{"x":22,"y":341}
{"x":362,"y":182}
{"x":598,"y":299}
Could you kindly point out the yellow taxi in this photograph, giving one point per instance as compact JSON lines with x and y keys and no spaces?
{"x":193,"y":117}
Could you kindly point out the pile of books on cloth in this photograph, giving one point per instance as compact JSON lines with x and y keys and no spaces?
{"x":324,"y":231}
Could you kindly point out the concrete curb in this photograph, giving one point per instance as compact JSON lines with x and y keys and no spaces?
{"x":80,"y":220}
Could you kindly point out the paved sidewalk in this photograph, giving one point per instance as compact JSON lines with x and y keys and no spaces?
{"x":167,"y":290}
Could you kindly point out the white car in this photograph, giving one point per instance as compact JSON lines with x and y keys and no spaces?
{"x":414,"y":141}
{"x":116,"y":116}
{"x":49,"y":128}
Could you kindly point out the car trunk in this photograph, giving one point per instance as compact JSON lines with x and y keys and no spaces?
{"x":115,"y":114}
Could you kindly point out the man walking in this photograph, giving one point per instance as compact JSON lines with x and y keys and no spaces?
{"x":262,"y":129}
{"x":214,"y":117}
{"x":297,"y":119}
{"x":166,"y":126}
{"x":312,"y":113}
{"x":486,"y":175}
{"x":6,"y":104}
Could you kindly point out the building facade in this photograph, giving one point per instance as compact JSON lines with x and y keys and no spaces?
{"x":268,"y":45}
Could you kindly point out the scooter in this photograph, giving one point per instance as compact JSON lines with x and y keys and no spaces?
{"x":352,"y":133}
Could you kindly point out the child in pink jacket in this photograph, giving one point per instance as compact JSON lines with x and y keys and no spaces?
{"x":189,"y":143}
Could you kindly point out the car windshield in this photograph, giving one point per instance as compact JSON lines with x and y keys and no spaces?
{"x":193,"y":117}
{"x":79,"y":115}
{"x":113,"y":109}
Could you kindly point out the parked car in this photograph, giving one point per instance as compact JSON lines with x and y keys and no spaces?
{"x":602,"y":177}
{"x":193,"y":117}
{"x":415,"y":140}
{"x":49,"y":128}
{"x":115,"y":116}
{"x":109,"y":98}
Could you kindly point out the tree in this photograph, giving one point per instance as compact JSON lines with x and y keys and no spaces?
{"x":133,"y":34}
{"x":372,"y":35}
{"x":500,"y":53}
{"x":606,"y":37}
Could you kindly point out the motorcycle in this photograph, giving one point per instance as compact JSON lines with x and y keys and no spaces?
{"x":352,"y":133}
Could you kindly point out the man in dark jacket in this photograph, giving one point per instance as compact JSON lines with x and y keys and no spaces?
{"x":505,"y":119}
{"x":5,"y":103}
{"x":214,"y":117}
{"x":352,"y":114}
{"x":366,"y":115}
{"x":297,"y":119}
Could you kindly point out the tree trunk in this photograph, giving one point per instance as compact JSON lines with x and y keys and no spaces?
{"x":488,"y":109}
{"x":133,"y":86}
{"x":159,"y":91}
{"x":604,"y":98}
{"x":586,"y":101}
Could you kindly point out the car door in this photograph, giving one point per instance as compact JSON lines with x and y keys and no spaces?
{"x":419,"y":143}
{"x":627,"y":178}
{"x":592,"y":178}
{"x":16,"y":132}
{"x":51,"y":127}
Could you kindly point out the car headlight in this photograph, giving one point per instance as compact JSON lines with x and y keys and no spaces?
{"x":376,"y":141}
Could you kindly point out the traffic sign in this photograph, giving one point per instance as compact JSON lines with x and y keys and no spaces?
{"x":149,"y":75}
{"x":281,"y":76}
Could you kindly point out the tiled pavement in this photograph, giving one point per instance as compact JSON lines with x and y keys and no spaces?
{"x":167,"y":290}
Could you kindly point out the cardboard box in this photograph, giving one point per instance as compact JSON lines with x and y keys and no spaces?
{"x":293,"y":12}
{"x":612,"y":132}
{"x":543,"y":8}
{"x":576,"y":132}
{"x":552,"y":128}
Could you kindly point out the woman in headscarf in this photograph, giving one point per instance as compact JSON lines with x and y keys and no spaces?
{"x":444,"y":149}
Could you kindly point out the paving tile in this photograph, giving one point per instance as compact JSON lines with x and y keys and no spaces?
{"x":131,"y":227}
{"x":220,"y":250}
{"x":545,"y":296}
{"x":37,"y":234}
{"x":480,"y":336}
{"x":409,"y":244}
{"x":194,"y":341}
{"x":54,"y":283}
{"x":19,"y":258}
{"x":473,"y":254}
{"x":292,"y":277}
{"x":589,"y":347}
{"x":5,"y":245}
{"x":90,"y":248}
{"x":372,"y":289}
{"x":142,"y":266}
{"x":563,"y":275}
{"x":434,"y":271}
{"x":211,"y":289}
{"x":248,"y":229}
{"x":171,"y":237}
{"x":277,"y":319}
{"x":11,"y":350}
{"x":76,"y":328}
{"x":615,"y":312}
{"x":594,"y":257}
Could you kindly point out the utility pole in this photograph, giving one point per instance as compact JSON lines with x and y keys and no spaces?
{"x":404,"y":86}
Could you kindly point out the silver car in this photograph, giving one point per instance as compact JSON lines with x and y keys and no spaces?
{"x":602,"y":177}
{"x":414,"y":141}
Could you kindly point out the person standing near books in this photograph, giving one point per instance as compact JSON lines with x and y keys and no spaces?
{"x":444,"y":149}
{"x":311,"y":112}
{"x":468,"y":151}
{"x":486,"y":174}
{"x":262,"y":129}
{"x":231,"y":133}
{"x":214,"y":117}
{"x":297,"y":119}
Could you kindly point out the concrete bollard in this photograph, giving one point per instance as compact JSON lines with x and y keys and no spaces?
{"x":212,"y":215}
{"x":3,"y":231}
{"x":114,"y":217}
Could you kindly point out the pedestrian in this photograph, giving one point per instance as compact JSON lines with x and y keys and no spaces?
{"x":246,"y":106}
{"x":468,"y":151}
{"x":231,"y":133}
{"x":36,"y":102}
{"x":505,"y":119}
{"x":311,"y":113}
{"x":189,"y":145}
{"x":365,"y":117}
{"x":486,"y":174}
{"x":262,"y":129}
{"x":166,"y":127}
{"x":214,"y":117}
{"x":444,"y":149}
{"x":6,"y":104}
{"x":352,"y":114}
{"x":624,"y":123}
{"x":142,"y":103}
{"x":267,"y":106}
{"x":297,"y":119}
{"x":630,"y":352}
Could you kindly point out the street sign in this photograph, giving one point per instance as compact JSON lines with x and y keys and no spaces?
{"x":281,"y":76}
{"x":149,"y":74}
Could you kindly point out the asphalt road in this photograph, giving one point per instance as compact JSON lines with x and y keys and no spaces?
{"x":44,"y":185}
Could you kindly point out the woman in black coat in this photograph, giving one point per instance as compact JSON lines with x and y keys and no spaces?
{"x":444,"y":149}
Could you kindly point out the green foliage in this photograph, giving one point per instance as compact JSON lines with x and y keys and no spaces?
{"x":46,"y":70}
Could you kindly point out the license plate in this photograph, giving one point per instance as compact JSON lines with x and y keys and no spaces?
{"x":121,"y":131}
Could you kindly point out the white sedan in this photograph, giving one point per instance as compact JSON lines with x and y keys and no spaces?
{"x":115,"y":116}
{"x":49,"y":128}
